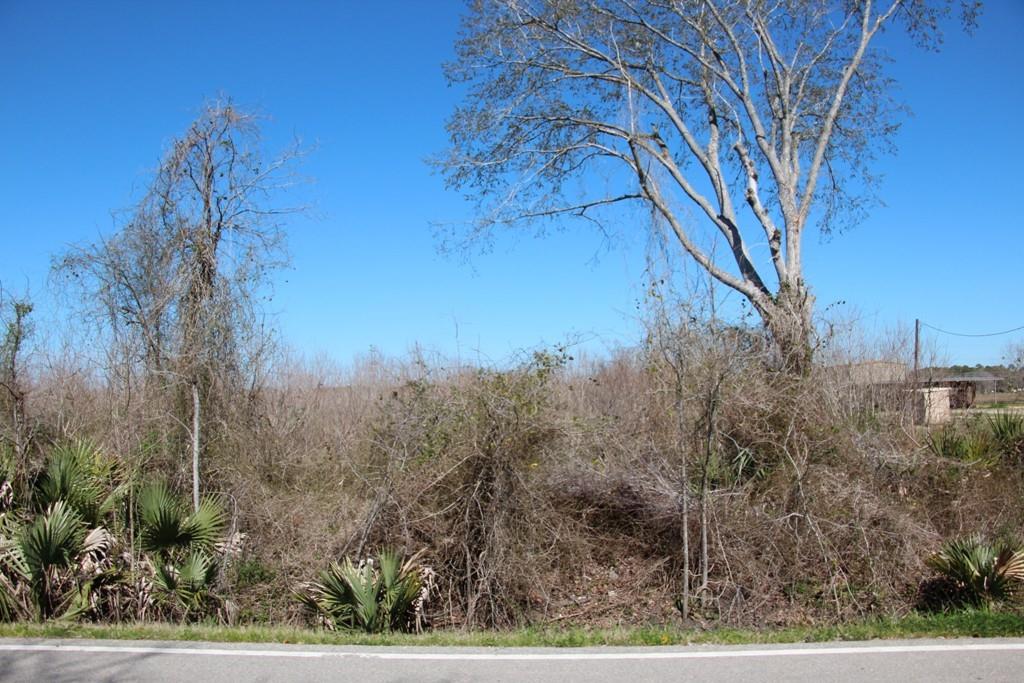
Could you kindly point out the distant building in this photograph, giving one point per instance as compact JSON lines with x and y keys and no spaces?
{"x":966,"y":386}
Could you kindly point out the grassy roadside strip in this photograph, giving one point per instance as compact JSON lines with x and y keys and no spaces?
{"x":965,"y":624}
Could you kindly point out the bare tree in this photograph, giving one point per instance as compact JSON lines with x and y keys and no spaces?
{"x":14,"y":313}
{"x":1014,"y":355}
{"x":177,"y":286}
{"x":714,"y":105}
{"x":704,"y":363}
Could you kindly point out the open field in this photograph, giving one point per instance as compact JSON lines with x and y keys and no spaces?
{"x":1008,"y":400}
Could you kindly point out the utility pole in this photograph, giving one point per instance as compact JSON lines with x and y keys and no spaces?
{"x":917,"y":347}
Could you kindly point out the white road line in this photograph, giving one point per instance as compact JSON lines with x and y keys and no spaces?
{"x":514,"y":656}
{"x":149,"y":650}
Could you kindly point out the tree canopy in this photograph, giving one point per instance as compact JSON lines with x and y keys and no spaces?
{"x":759,"y":117}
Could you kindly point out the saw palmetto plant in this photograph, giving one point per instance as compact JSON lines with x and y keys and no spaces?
{"x":60,"y":556}
{"x":57,"y":542}
{"x":976,"y":573}
{"x":375,"y":595}
{"x":56,"y":554}
{"x":182,"y":546}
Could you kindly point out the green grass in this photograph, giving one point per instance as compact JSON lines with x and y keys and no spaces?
{"x":962,"y":624}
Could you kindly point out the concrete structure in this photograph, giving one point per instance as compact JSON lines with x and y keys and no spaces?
{"x":932,"y":405}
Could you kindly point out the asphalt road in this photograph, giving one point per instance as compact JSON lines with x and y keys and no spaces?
{"x":918,"y":660}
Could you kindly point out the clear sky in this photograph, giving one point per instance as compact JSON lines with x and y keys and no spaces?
{"x":91,"y":93}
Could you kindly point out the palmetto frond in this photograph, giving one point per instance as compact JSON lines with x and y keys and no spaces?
{"x":167,"y":525}
{"x":1008,"y":430}
{"x":53,"y":539}
{"x":400,"y":586}
{"x":12,"y":559}
{"x":187,"y":584}
{"x":197,"y":572}
{"x":205,"y":527}
{"x":78,"y":474}
{"x":1010,"y":563}
{"x":160,"y":517}
{"x":97,"y":542}
{"x":13,"y":568}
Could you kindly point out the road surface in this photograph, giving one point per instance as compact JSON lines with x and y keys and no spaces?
{"x":903,"y":661}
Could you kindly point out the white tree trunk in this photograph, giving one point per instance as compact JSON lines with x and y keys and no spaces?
{"x":195,"y":446}
{"x":684,"y":606}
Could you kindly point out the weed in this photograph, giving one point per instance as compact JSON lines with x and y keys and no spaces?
{"x":251,"y":572}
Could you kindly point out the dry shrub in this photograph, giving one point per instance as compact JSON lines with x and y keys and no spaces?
{"x":458,"y":466}
{"x":292,"y":463}
{"x":552,"y":491}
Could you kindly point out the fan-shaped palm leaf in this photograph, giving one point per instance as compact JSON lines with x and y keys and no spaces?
{"x":330,"y":597}
{"x":78,"y":474}
{"x":165,"y":578}
{"x":160,"y":517}
{"x":166,"y":525}
{"x":186,"y":585}
{"x":1010,"y":563}
{"x":97,"y":541}
{"x":13,"y":569}
{"x":197,"y":572}
{"x":53,"y":539}
{"x":400,"y":586}
{"x":364,"y":589}
{"x":12,"y":560}
{"x":50,"y":543}
{"x":205,"y":527}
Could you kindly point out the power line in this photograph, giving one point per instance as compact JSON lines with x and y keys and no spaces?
{"x":963,"y":334}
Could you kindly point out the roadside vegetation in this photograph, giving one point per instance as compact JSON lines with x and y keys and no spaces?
{"x":684,"y":483}
{"x":169,"y":469}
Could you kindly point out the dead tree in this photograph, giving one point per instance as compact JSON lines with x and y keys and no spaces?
{"x":177,"y":287}
{"x":14,"y":392}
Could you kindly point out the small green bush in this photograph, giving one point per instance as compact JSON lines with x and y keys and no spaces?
{"x":251,"y":572}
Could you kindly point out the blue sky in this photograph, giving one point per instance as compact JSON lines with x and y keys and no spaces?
{"x":92,"y":93}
